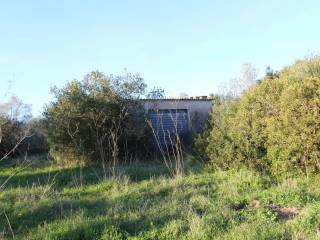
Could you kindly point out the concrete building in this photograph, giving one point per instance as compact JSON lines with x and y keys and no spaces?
{"x":172,"y":118}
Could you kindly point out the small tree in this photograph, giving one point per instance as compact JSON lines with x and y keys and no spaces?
{"x":96,"y":118}
{"x":14,"y":116}
{"x":156,"y":93}
{"x":294,"y":133}
{"x":274,"y":125}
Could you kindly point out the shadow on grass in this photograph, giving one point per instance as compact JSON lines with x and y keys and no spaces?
{"x":76,"y":176}
{"x":129,"y":212}
{"x":103,"y":228}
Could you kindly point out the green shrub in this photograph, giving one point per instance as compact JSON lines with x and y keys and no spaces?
{"x":19,"y":133}
{"x":97,"y":119}
{"x":274,"y":126}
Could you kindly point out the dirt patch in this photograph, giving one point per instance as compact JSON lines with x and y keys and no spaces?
{"x":255,"y":204}
{"x":285,"y":213}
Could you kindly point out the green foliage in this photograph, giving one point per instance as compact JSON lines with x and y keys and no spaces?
{"x":36,"y":142}
{"x":97,"y":119}
{"x":19,"y":133}
{"x":156,"y":93}
{"x":295,"y":135}
{"x":12,"y":132}
{"x":220,"y":145}
{"x":274,"y":125}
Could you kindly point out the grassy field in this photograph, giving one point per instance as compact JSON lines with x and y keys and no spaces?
{"x":46,"y":201}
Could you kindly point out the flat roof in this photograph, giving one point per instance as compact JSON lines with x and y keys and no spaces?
{"x":177,"y":99}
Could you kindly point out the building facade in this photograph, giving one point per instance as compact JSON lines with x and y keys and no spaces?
{"x":173,"y":120}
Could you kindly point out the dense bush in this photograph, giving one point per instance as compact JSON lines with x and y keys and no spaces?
{"x":19,"y":133}
{"x":12,"y":133}
{"x":98,"y":118}
{"x":36,"y":141}
{"x":274,"y":125}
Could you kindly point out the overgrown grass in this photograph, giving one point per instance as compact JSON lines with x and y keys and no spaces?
{"x":46,"y":201}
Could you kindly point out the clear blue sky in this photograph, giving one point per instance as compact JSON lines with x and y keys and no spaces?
{"x":182,"y":46}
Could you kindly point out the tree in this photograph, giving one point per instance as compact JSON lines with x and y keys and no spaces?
{"x":97,"y":119}
{"x":237,"y":86}
{"x":274,"y":125}
{"x":156,"y":93}
{"x":294,"y":132}
{"x":14,"y":117}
